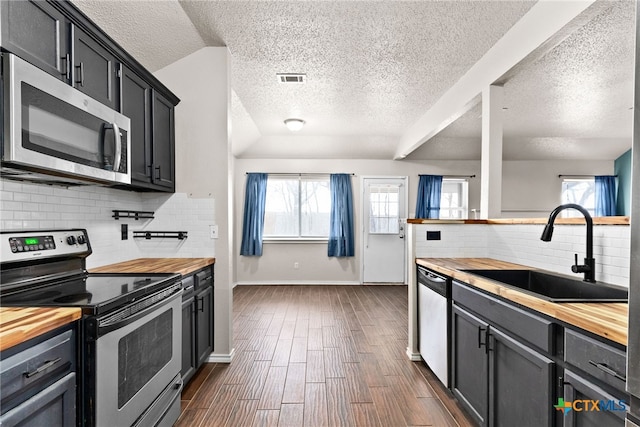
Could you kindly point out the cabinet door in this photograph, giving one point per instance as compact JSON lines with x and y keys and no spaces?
{"x":36,"y":32}
{"x":470,"y":380}
{"x":94,"y":69}
{"x":576,"y":388}
{"x":520,"y":384}
{"x":135,"y":104}
{"x":188,"y":339}
{"x":163,"y":142}
{"x":54,"y":406}
{"x":204,"y":324}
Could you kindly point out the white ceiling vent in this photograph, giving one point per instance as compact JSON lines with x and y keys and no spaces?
{"x":292,"y":77}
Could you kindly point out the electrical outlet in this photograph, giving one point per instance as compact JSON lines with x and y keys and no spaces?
{"x":213,"y":231}
{"x":296,"y":265}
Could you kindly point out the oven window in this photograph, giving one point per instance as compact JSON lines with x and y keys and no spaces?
{"x":142,"y":354}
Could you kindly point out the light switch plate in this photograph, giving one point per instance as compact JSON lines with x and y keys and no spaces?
{"x":213,"y":231}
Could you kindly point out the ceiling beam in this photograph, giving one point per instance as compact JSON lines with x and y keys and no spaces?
{"x":543,"y":27}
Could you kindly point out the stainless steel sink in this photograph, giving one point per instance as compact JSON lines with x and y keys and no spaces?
{"x":555,"y":287}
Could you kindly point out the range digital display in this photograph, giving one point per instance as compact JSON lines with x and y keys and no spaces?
{"x":31,"y":241}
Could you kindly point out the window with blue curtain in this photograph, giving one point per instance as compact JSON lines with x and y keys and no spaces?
{"x":605,"y":195}
{"x":253,"y":221}
{"x":341,"y":232}
{"x":429,"y":192}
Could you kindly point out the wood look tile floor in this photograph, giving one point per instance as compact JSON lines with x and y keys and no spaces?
{"x":319,"y":356}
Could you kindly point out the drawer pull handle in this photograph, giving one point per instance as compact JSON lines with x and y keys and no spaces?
{"x":481,"y":330}
{"x":608,"y":370}
{"x":44,"y":367}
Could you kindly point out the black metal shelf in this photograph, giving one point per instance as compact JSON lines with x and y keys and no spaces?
{"x":180,"y":235}
{"x":117,"y":214}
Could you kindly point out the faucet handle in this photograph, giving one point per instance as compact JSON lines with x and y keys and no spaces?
{"x":579,"y":268}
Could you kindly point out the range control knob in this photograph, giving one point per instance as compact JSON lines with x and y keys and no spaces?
{"x":71,"y":240}
{"x":81,"y":239}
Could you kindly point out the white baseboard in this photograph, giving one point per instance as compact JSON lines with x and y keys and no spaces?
{"x":221,"y":358}
{"x":414,"y":357}
{"x":299,"y":282}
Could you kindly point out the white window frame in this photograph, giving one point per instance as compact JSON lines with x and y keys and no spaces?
{"x":464,"y":197}
{"x":299,"y":238}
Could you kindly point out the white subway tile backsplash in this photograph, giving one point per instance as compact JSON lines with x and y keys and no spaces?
{"x":521,"y":244}
{"x":30,"y":206}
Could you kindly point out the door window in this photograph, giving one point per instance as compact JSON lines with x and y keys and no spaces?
{"x":384,"y":201}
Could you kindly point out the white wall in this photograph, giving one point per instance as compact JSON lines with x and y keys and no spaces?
{"x":530,"y":189}
{"x":521,"y":244}
{"x":204,"y":164}
{"x":276,"y":263}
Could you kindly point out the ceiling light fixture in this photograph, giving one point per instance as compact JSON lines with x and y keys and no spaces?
{"x":294,"y":125}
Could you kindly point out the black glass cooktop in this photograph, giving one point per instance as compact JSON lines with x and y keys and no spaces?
{"x":94,"y":293}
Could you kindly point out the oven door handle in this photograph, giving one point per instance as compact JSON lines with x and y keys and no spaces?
{"x":108,"y":326}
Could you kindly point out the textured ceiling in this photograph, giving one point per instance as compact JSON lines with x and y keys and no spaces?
{"x":373,"y":68}
{"x":572,"y":103}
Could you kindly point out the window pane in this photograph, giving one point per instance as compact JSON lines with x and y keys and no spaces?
{"x":383,"y":209}
{"x":315,"y":208}
{"x":580,"y":192}
{"x":282,"y":208}
{"x":297,"y":207}
{"x":453,"y":199}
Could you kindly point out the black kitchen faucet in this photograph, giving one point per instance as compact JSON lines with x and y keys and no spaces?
{"x":589,"y":266}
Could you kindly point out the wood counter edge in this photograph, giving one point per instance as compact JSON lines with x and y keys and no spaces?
{"x":182,"y":266}
{"x":606,"y":325}
{"x":604,"y":220}
{"x":20,"y":324}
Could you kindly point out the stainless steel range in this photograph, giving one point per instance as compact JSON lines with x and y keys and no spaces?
{"x":130,"y":333}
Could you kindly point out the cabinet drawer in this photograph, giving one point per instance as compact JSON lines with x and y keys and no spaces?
{"x":188,"y":287}
{"x":204,"y":279}
{"x":596,"y":358}
{"x":508,"y":317}
{"x":49,"y":359}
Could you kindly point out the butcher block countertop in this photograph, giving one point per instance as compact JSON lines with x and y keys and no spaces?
{"x":608,"y":320}
{"x":20,"y":324}
{"x":182,"y":266}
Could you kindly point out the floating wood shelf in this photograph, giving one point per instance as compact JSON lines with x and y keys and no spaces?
{"x":117,"y":214}
{"x":180,"y":235}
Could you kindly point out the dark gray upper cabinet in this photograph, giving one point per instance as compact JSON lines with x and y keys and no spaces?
{"x":94,"y":69}
{"x":37,"y":32}
{"x":58,"y":38}
{"x":136,"y":104}
{"x":163,"y":146}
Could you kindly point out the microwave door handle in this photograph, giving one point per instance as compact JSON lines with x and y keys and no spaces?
{"x":117,"y":140}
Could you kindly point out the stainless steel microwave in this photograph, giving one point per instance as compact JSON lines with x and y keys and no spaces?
{"x":54,"y":133}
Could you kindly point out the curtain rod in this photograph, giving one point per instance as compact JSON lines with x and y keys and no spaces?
{"x":455,"y":176}
{"x":297,"y":174}
{"x":580,"y":176}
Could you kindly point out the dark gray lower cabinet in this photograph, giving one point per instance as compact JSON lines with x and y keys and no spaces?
{"x":204,"y":324}
{"x":499,"y":380}
{"x":197,"y":321}
{"x":188,"y":338}
{"x":520,"y":383}
{"x":581,"y":392}
{"x":39,"y":381}
{"x":470,"y":377}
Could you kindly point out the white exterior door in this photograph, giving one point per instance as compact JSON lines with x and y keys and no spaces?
{"x":384,"y":226}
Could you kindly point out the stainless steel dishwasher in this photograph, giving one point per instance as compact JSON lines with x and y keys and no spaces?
{"x":434,"y":310}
